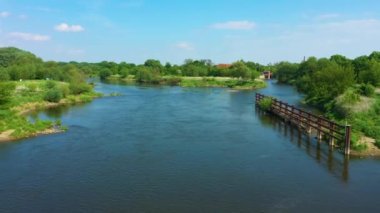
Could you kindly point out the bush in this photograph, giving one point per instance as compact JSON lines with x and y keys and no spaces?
{"x":53,"y":95}
{"x":32,"y":87}
{"x":266,"y":103}
{"x":145,"y":75}
{"x":50,"y":84}
{"x":6,"y":90}
{"x":65,"y":90}
{"x":4,"y":76}
{"x":367,"y":90}
{"x":79,"y":88}
{"x":105,"y":73}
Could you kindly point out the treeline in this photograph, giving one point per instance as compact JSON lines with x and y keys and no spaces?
{"x":153,"y":70}
{"x":16,"y":64}
{"x":19,"y":65}
{"x":323,"y":80}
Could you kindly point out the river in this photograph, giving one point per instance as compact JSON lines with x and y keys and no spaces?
{"x":172,"y":149}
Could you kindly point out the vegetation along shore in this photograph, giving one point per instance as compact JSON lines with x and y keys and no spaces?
{"x":27,"y":84}
{"x":345,"y":90}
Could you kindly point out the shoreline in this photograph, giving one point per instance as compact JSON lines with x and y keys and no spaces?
{"x":6,"y":136}
{"x":23,"y":110}
{"x":197,"y":82}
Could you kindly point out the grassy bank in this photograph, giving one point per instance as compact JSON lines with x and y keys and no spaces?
{"x":185,"y":81}
{"x":363,"y":113}
{"x":27,"y":96}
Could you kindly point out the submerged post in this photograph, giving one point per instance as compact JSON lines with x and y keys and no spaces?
{"x":348,"y":140}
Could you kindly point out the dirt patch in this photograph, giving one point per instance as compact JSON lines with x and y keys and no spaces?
{"x":372,"y":149}
{"x":6,"y":135}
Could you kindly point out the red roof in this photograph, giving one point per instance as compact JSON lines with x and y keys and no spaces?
{"x":223,"y":65}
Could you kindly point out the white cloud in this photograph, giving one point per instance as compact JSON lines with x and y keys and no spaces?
{"x":63,"y":27}
{"x":29,"y":36}
{"x":185,"y":46}
{"x":234,"y":25}
{"x":4,"y":14}
{"x":327,"y":16}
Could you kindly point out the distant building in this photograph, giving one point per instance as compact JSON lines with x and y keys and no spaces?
{"x":222,"y":66}
{"x":267,"y":74}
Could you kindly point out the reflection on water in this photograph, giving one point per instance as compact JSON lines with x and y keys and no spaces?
{"x":334,"y":162}
{"x":54,"y":113}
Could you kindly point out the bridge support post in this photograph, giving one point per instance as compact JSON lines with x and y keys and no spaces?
{"x":331,"y":140}
{"x":347,"y":145}
{"x":309,"y":124}
{"x":319,"y":132}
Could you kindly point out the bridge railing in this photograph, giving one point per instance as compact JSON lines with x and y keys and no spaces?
{"x":310,"y":122}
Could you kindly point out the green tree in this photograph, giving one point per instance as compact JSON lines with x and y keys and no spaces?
{"x":328,"y":83}
{"x":240,"y":70}
{"x":286,"y":72}
{"x":372,"y":74}
{"x":146,"y":75}
{"x":105,"y":73}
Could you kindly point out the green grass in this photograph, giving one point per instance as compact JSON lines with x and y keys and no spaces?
{"x":186,"y":81}
{"x":29,"y":95}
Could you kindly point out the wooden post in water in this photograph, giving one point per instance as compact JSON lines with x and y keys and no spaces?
{"x":347,"y":144}
{"x":331,"y":141}
{"x":319,"y":132}
{"x":309,"y":124}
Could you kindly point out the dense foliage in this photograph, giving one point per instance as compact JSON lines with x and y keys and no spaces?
{"x":322,"y":80}
{"x":344,"y":89}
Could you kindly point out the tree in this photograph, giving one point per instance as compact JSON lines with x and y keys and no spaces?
{"x":154,"y":64}
{"x":360,"y":64}
{"x":286,"y":72}
{"x":372,"y":74}
{"x":341,"y":60}
{"x":105,"y":73}
{"x":240,"y":70}
{"x":146,"y":75}
{"x":328,"y":83}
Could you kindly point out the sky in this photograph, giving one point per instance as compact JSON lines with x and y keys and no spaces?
{"x":172,"y":30}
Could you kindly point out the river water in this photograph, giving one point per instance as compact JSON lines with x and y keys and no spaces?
{"x":172,"y":149}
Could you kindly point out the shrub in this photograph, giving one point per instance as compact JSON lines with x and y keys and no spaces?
{"x":4,"y":76}
{"x":65,"y":90}
{"x":367,"y":90}
{"x":79,"y":88}
{"x":104,"y":74}
{"x":53,"y":95}
{"x":6,"y":90}
{"x":266,"y":103}
{"x":50,"y":84}
{"x":145,"y":75}
{"x":32,"y":87}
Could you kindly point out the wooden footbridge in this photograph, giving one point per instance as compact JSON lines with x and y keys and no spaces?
{"x":324,"y":128}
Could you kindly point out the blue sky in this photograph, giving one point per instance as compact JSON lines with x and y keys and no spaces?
{"x":169,"y":30}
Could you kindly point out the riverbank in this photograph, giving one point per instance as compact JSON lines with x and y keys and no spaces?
{"x":187,"y":81}
{"x":29,"y":96}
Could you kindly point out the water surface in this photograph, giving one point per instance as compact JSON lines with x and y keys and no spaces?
{"x":171,"y":149}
